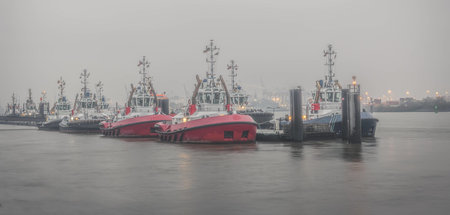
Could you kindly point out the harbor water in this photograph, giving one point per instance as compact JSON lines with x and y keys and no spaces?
{"x":404,"y":170}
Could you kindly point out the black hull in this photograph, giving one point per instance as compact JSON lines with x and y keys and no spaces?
{"x":368,"y":127}
{"x":52,"y":125}
{"x":333,"y":125}
{"x":81,"y":126}
{"x":261,"y":118}
{"x":22,"y":120}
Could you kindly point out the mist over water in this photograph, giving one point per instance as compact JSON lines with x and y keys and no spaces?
{"x":404,"y":170}
{"x":389,"y":45}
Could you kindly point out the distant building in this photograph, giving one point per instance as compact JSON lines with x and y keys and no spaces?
{"x":393,"y":103}
{"x":407,"y":100}
{"x":447,"y":98}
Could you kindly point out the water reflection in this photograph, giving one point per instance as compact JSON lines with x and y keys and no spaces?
{"x":137,"y":139}
{"x":240,"y":147}
{"x":330,"y":149}
{"x":297,"y":151}
{"x":352,"y":152}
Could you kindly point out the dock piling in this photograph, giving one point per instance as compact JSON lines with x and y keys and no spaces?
{"x":351,"y":114}
{"x":296,"y":127}
{"x":345,"y":121}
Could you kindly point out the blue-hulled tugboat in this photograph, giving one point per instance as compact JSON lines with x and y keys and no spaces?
{"x":324,"y":108}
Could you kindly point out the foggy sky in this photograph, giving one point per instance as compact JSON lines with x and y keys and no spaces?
{"x":387,"y":44}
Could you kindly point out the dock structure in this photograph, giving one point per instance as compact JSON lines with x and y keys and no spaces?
{"x":351,"y":117}
{"x":297,"y":131}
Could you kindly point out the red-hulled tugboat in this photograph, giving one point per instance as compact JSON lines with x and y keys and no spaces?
{"x":209,"y":117}
{"x":141,"y":113}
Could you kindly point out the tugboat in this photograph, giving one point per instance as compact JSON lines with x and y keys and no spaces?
{"x":103,"y":106}
{"x":59,"y":110}
{"x":44,"y":105}
{"x":239,"y":99}
{"x":86,"y":113}
{"x":27,"y":115}
{"x":29,"y":107}
{"x":209,"y":117}
{"x":141,"y":112}
{"x":324,"y":108}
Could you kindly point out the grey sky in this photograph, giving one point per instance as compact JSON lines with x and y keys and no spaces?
{"x":387,"y":44}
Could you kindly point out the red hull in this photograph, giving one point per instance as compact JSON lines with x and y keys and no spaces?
{"x":143,"y":126}
{"x":233,"y":128}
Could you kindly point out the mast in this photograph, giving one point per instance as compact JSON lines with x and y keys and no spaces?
{"x":84,"y":76}
{"x":99,"y":87}
{"x":213,"y":52}
{"x":44,"y":96}
{"x":329,"y":55}
{"x":143,"y":64}
{"x":233,"y":67}
{"x":61,"y":85}
{"x":14,"y":100}
{"x":30,"y":99}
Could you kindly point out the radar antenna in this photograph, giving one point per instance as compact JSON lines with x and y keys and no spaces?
{"x":61,"y":85}
{"x":233,"y":67}
{"x":212,"y":51}
{"x":144,"y":65}
{"x":84,"y":76}
{"x":329,"y":55}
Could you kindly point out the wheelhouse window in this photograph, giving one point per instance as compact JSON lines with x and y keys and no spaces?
{"x":200,"y":98}
{"x":337,"y":98}
{"x":242,"y":100}
{"x":235,"y":100}
{"x":330,"y":96}
{"x":208,"y":98}
{"x":216,"y":98}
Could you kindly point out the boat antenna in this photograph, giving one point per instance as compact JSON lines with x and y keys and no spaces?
{"x":213,"y":52}
{"x":143,"y":64}
{"x":84,"y":76}
{"x":329,"y":55}
{"x":99,"y":86}
{"x":233,"y":67}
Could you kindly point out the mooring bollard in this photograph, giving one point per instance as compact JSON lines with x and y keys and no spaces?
{"x":296,"y":131}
